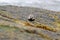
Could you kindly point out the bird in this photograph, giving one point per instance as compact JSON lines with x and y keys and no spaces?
{"x":31,"y":17}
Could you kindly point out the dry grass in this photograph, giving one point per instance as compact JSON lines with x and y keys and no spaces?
{"x":37,"y":25}
{"x":29,"y":25}
{"x":11,"y":30}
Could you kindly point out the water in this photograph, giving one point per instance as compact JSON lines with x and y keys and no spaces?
{"x":46,"y":4}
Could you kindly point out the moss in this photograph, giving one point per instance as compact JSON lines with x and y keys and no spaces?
{"x":7,"y":27}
